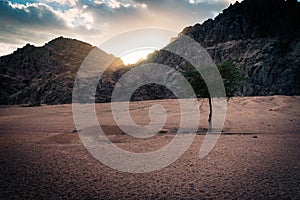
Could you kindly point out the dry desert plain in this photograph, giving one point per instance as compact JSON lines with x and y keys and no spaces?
{"x":256,"y":157}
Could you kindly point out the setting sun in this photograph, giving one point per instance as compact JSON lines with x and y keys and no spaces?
{"x":135,"y":55}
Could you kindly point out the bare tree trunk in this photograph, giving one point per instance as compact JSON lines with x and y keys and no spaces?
{"x":210,"y":115}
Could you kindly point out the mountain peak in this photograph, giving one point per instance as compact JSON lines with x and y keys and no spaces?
{"x":250,"y":19}
{"x":262,"y":37}
{"x":63,"y":42}
{"x":46,"y":74}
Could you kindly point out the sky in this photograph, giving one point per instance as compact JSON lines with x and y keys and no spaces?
{"x":95,"y":21}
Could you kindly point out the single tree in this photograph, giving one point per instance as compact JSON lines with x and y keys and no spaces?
{"x":232,"y":80}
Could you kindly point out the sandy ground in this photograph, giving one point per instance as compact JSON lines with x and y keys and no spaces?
{"x":257,"y":157}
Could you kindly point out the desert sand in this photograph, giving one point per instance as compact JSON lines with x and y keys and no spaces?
{"x":256,"y":157}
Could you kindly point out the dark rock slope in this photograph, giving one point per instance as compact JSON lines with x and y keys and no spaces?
{"x":261,"y":36}
{"x":43,"y":75}
{"x":33,"y":75}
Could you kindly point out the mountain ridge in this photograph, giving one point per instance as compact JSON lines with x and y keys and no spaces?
{"x":249,"y":19}
{"x":244,"y":33}
{"x":264,"y":43}
{"x":34,"y":75}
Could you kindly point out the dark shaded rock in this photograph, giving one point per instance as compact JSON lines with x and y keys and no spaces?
{"x":45,"y":75}
{"x":262,"y":37}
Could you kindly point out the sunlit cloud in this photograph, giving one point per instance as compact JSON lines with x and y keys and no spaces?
{"x":76,"y":18}
{"x":95,"y":21}
{"x":69,"y":2}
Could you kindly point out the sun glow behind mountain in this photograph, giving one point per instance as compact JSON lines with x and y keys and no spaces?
{"x":131,"y":46}
{"x":95,"y":21}
{"x":136,"y":55}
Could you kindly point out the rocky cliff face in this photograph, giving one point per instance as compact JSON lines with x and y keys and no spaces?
{"x":270,"y":65}
{"x":45,"y":75}
{"x":263,"y":37}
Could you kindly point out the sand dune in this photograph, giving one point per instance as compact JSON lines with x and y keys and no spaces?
{"x":42,"y":156}
{"x":275,"y":114}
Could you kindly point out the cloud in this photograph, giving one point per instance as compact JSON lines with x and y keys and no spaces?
{"x":185,"y":8}
{"x":38,"y":22}
{"x":95,"y":20}
{"x":76,"y":18}
{"x":63,"y":2}
{"x":24,"y":23}
{"x":29,"y":14}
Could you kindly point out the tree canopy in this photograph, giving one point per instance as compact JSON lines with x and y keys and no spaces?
{"x":230,"y":73}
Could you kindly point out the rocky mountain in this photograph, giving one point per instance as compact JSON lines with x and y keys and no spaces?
{"x":260,"y":36}
{"x":45,"y":75}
